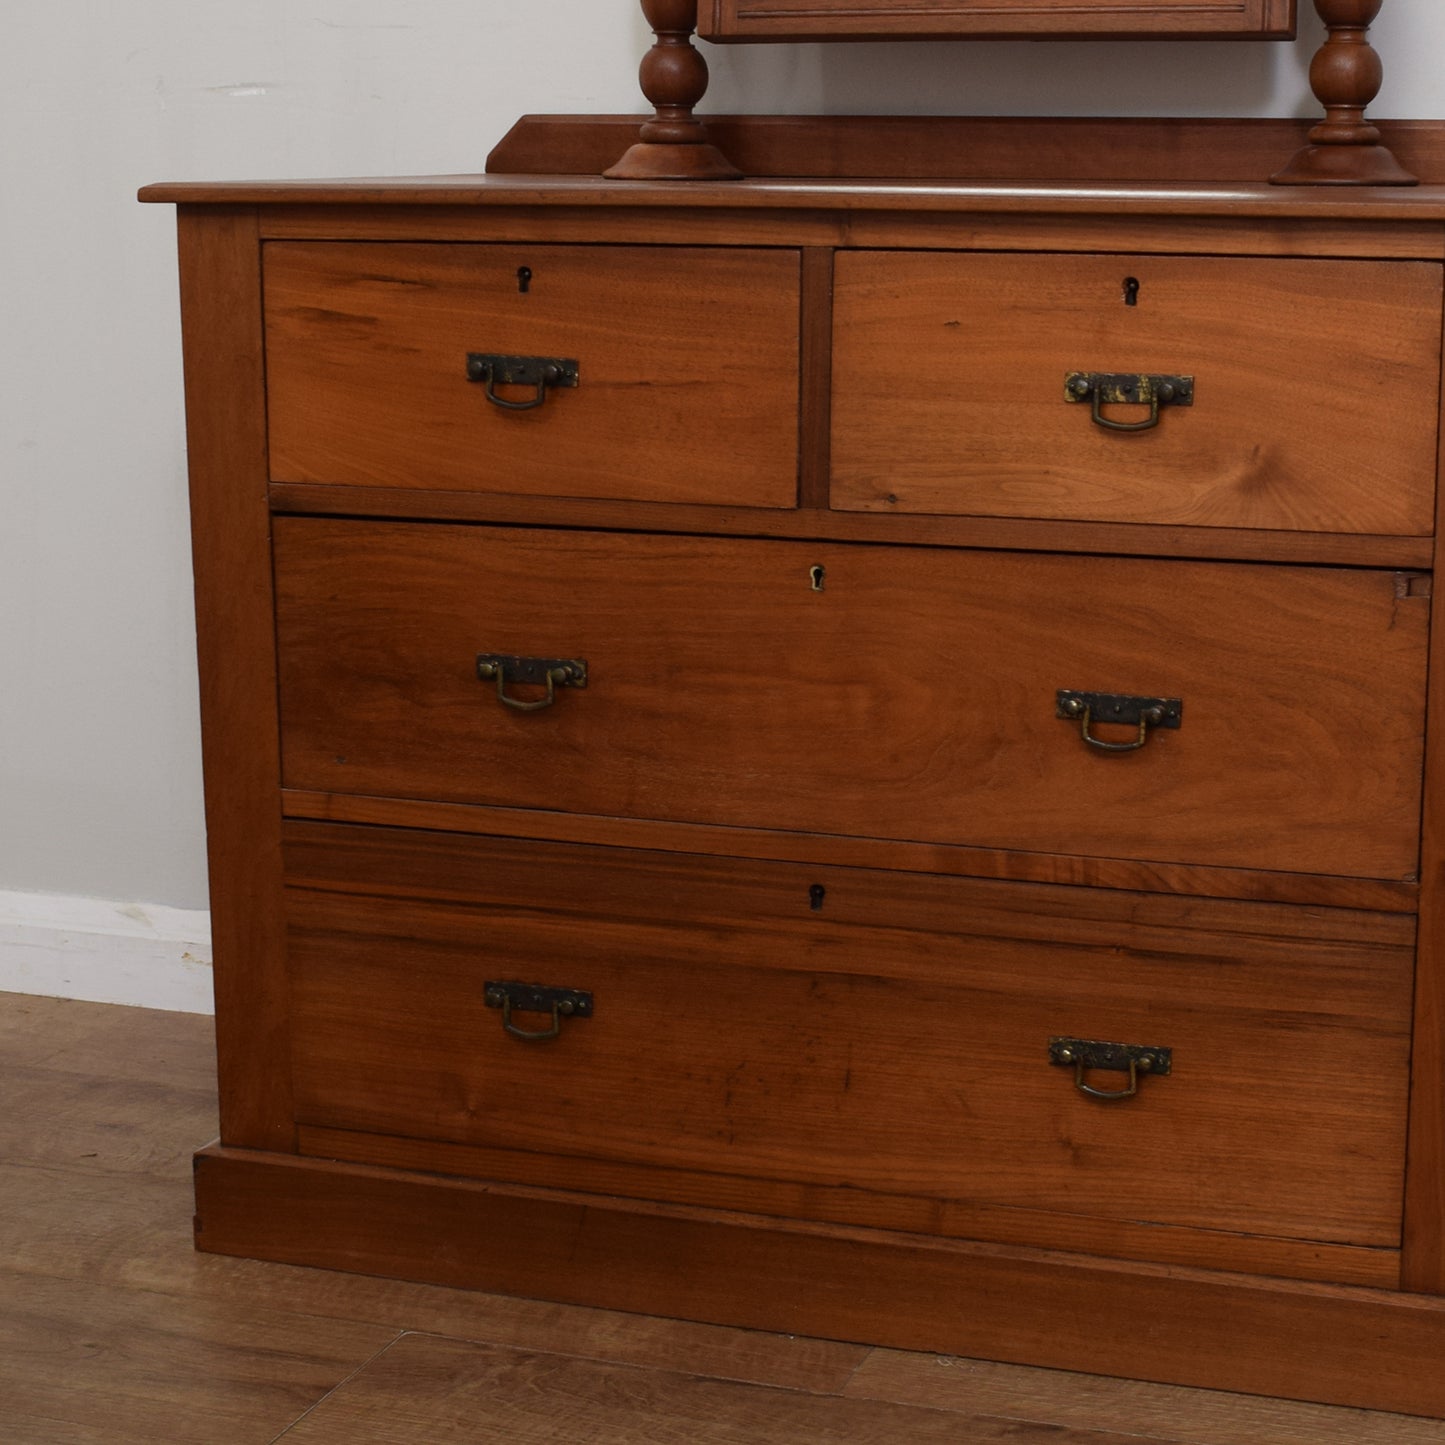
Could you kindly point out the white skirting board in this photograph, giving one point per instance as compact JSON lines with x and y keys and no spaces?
{"x":142,"y":954}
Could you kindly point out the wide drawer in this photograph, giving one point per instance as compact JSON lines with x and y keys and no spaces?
{"x":862,"y":1036}
{"x":686,"y":384}
{"x":869,"y":691}
{"x":1314,"y":389}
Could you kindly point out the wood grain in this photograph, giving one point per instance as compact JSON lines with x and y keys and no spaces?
{"x":1334,"y":1344}
{"x":687,"y":369}
{"x":1313,"y":889}
{"x":379,"y":627}
{"x":83,"y":1364}
{"x":1089,"y":1402}
{"x":775,"y":1053}
{"x":430,"y":1389}
{"x":1423,"y":1259}
{"x":122,"y":1239}
{"x":1264,"y":444}
{"x":986,"y":148}
{"x":997,"y":533}
{"x":220,"y":257}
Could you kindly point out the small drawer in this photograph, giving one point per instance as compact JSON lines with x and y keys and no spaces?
{"x":916,"y":695}
{"x":676,"y":379}
{"x":859,"y":1037}
{"x":966,"y":384}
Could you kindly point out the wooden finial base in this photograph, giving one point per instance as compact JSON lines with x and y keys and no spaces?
{"x":673,"y":145}
{"x":1345,"y":149}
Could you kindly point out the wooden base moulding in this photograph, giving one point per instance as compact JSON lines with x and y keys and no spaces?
{"x":1336,"y":1344}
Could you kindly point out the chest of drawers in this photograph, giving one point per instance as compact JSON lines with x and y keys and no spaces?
{"x":854,"y":759}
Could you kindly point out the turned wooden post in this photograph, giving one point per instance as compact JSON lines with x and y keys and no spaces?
{"x":673,"y":145}
{"x":1345,"y":149}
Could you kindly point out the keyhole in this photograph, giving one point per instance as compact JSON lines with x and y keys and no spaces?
{"x":1131,"y":291}
{"x":816,"y":574}
{"x":816,"y":894}
{"x":524,"y":279}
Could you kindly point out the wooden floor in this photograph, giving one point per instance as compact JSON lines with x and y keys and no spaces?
{"x":113,"y":1331}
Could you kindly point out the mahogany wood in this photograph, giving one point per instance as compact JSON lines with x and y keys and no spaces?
{"x":1000,"y":533}
{"x":220,"y":260}
{"x":1311,"y":889}
{"x":1376,"y":1268}
{"x":1345,"y":75}
{"x":673,"y":145}
{"x":972,"y":218}
{"x":822,"y":736}
{"x":1423,"y":1260}
{"x":380,"y":625}
{"x":1339,"y":1344}
{"x":776,"y":1053}
{"x":1172,"y":150}
{"x":949,"y":389}
{"x":687,"y":369}
{"x":940,"y":19}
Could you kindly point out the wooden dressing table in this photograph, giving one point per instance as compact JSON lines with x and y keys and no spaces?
{"x":849,"y":755}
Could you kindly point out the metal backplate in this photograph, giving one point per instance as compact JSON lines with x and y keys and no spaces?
{"x":1094,"y":1054}
{"x":1113,"y":707}
{"x":567,"y":671}
{"x":521,"y":370}
{"x":539,"y":998}
{"x":1124,"y":388}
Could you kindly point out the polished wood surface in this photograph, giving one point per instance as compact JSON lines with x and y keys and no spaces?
{"x":379,"y":627}
{"x":950,"y":397}
{"x":1346,"y":73}
{"x":1071,"y":869}
{"x":1334,"y":1344}
{"x":776,"y":1053}
{"x":1175,"y":150}
{"x":888,"y":712}
{"x":220,"y":260}
{"x":812,"y":521}
{"x":673,"y":145}
{"x":940,"y":19}
{"x":687,"y":370}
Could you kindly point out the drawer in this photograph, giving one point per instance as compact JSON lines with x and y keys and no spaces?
{"x":861,"y":1037}
{"x":1315,"y":389}
{"x":687,"y":369}
{"x":914,"y":697}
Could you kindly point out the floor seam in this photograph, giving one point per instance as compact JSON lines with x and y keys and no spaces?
{"x":341,"y":1384}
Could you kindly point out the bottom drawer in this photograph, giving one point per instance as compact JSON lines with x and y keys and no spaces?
{"x":852,"y":1045}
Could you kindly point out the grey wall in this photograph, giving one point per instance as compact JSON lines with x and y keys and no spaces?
{"x":99,"y":753}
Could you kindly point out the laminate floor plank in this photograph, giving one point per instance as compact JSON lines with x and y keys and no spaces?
{"x":81,"y":1362}
{"x":100,"y":1123}
{"x":98,"y":1038}
{"x":437,"y":1390}
{"x":135,"y":1233}
{"x":1094,"y":1402}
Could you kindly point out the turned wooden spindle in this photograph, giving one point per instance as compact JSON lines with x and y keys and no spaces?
{"x":673,"y":145}
{"x":1345,"y":149}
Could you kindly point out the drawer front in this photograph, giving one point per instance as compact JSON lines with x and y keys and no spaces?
{"x":686,"y":386}
{"x":1314,"y":389}
{"x":914,"y":697}
{"x":744,"y":1028}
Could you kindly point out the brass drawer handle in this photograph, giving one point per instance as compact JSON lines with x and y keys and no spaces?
{"x":535,"y":371}
{"x":548,"y":672}
{"x":537,"y":998}
{"x":1119,"y":388}
{"x":1083,"y":1055}
{"x":1088,"y":708}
